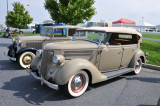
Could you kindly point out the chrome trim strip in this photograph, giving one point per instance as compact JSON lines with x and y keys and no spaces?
{"x":53,"y":86}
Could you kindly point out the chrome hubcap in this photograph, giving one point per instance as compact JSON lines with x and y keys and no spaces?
{"x":78,"y":83}
{"x":27,"y":59}
{"x":138,"y":65}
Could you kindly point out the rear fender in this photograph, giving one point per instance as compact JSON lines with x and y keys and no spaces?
{"x":138,"y":54}
{"x":71,"y":67}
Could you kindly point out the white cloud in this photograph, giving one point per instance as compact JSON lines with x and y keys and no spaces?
{"x":131,"y":9}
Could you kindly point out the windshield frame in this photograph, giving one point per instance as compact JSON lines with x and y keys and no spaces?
{"x":98,"y":43}
{"x":47,"y":32}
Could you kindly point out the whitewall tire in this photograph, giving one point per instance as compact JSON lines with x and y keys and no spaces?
{"x":77,"y":84}
{"x":138,"y":66}
{"x":25,"y":59}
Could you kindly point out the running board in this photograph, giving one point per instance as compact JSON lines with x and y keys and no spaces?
{"x":117,"y":73}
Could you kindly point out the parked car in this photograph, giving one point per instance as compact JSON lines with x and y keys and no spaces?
{"x":29,"y":29}
{"x":24,"y":48}
{"x":94,"y":55}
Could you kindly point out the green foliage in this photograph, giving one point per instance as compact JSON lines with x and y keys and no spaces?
{"x":18,"y":18}
{"x":70,"y":11}
{"x":153,"y":47}
{"x":151,"y":36}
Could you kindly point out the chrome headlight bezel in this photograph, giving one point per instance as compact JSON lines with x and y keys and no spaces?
{"x":13,"y":40}
{"x":18,"y":41}
{"x":58,"y":59}
{"x":39,"y":53}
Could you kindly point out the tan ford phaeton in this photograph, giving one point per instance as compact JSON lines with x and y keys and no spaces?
{"x":94,"y":55}
{"x":23,"y":49}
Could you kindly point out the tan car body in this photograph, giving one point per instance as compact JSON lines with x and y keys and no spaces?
{"x":90,"y":57}
{"x":38,"y":41}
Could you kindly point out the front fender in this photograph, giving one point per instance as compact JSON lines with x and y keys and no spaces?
{"x":26,"y":49}
{"x":138,"y":54}
{"x":70,"y":68}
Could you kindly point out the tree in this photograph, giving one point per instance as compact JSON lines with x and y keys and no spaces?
{"x":19,"y":17}
{"x":70,"y":11}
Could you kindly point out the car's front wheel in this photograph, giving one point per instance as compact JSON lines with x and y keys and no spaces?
{"x":138,"y":66}
{"x":25,"y":59}
{"x":77,"y":84}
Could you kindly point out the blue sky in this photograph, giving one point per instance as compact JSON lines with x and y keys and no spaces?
{"x":109,"y":10}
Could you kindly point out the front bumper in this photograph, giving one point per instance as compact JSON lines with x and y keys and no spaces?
{"x":43,"y":81}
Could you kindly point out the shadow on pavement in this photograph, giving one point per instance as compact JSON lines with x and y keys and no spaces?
{"x":4,"y":44}
{"x":146,"y":79}
{"x":111,"y":80}
{"x":31,"y":90}
{"x":100,"y":84}
{"x":9,"y":65}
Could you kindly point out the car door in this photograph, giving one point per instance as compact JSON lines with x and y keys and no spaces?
{"x":129,"y":49}
{"x":110,"y":59}
{"x":111,"y":54}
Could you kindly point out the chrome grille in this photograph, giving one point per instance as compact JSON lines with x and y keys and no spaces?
{"x":46,"y":62}
{"x":37,"y":45}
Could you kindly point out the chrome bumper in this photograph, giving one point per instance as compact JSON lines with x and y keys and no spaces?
{"x":10,"y":58}
{"x":43,"y":81}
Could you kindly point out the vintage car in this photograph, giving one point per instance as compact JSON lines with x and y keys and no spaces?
{"x":23,"y":49}
{"x":94,"y":55}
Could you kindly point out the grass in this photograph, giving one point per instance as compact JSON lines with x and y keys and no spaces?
{"x":25,"y":34}
{"x":151,"y":36}
{"x":153,"y":47}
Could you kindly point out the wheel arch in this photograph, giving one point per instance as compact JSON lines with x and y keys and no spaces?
{"x":138,"y":54}
{"x":143,"y":59}
{"x":89,"y":74}
{"x":26,"y":49}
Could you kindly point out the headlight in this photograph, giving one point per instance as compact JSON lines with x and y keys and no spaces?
{"x":39,"y":53}
{"x":19,"y":41}
{"x":58,"y":59}
{"x":13,"y":40}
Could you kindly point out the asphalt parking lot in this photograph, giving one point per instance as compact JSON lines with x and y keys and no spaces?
{"x":17,"y":88}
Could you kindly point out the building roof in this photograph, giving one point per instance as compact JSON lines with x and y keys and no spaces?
{"x":123,"y":20}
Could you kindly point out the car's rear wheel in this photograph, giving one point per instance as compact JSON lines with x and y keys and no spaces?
{"x":20,"y":32}
{"x":77,"y":84}
{"x":138,"y":66}
{"x":25,"y":59}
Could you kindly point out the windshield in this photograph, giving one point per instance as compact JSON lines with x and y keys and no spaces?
{"x":93,"y":36}
{"x":89,"y":24}
{"x":46,"y":32}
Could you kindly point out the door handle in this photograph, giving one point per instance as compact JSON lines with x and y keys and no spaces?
{"x":121,"y":50}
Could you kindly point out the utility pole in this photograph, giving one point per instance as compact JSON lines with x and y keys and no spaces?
{"x":7,"y":6}
{"x":142,"y":21}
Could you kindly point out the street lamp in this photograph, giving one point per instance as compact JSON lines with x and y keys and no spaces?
{"x":142,"y":20}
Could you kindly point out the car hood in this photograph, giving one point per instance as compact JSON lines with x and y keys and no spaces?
{"x":71,"y":45}
{"x":32,"y":38}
